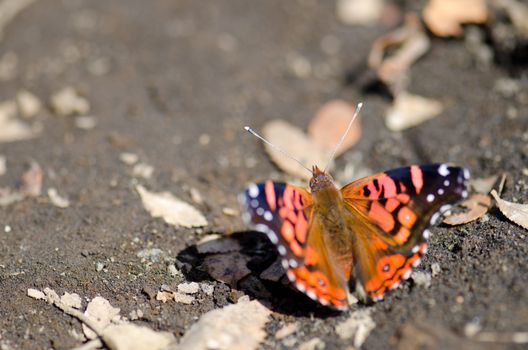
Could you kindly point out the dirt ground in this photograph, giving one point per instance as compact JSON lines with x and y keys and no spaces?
{"x":175,"y":82}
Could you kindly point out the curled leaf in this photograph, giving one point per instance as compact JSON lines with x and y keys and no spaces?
{"x":445,"y":17}
{"x":173,"y":210}
{"x":406,"y":44}
{"x":483,"y":185}
{"x":329,"y":123}
{"x":515,"y":212}
{"x":297,"y":144}
{"x":411,"y":110}
{"x":478,"y":205}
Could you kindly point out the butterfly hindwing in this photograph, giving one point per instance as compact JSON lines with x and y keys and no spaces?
{"x":390,"y":213}
{"x":283,"y":212}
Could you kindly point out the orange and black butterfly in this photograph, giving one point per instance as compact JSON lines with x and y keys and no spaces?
{"x":363,"y":238}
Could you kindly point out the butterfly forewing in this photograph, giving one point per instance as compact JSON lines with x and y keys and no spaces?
{"x":389,"y":215}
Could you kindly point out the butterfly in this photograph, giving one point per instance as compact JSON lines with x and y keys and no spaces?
{"x":363,"y":238}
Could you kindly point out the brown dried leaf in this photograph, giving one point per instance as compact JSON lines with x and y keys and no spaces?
{"x":228,"y":268}
{"x":329,"y":123}
{"x":235,"y":327}
{"x":484,"y":185}
{"x":515,"y":212}
{"x":296,"y":143}
{"x":411,"y":110}
{"x":412,"y":43}
{"x":173,"y":210}
{"x":478,"y":205}
{"x":445,"y":17}
{"x":133,"y":337}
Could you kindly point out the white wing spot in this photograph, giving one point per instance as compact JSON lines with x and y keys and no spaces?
{"x":464,"y":194}
{"x":446,"y":183}
{"x":284,"y":263}
{"x":311,"y":294}
{"x":300,"y":286}
{"x":443,"y":170}
{"x":395,"y":285}
{"x":440,"y":191}
{"x":407,"y":274}
{"x":445,"y":208}
{"x":254,"y":203}
{"x":430,"y":197}
{"x":268,"y":216}
{"x":434,"y":218}
{"x":323,"y":301}
{"x":246,"y":217}
{"x":291,"y":275}
{"x":260,"y":211}
{"x":253,"y":190}
{"x":415,"y":249}
{"x":466,"y":174}
{"x":273,"y":237}
{"x":282,"y":250}
{"x":426,"y":234}
{"x":416,"y":262}
{"x":293,"y":263}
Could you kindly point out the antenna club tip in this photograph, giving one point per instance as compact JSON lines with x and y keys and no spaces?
{"x":360,"y":105}
{"x":247,"y":128}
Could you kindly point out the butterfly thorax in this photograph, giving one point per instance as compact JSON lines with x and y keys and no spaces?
{"x":329,"y":208}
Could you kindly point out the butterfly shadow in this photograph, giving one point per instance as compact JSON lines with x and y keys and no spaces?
{"x":248,"y":262}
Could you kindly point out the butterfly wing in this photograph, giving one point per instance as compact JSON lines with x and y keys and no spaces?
{"x":390,"y":213}
{"x":284,"y":213}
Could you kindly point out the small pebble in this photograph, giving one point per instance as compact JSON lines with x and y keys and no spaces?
{"x":189,"y":288}
{"x":28,"y":104}
{"x":99,"y":266}
{"x":207,"y":289}
{"x":230,"y":211}
{"x":85,"y":122}
{"x":129,"y":158}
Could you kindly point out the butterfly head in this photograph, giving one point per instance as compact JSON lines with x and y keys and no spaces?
{"x":320,"y":180}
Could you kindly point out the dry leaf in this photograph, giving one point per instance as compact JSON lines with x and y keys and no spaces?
{"x":234,"y":327}
{"x":32,"y":180}
{"x":516,"y":212}
{"x":102,"y":313}
{"x":228,"y":268}
{"x":518,"y":13}
{"x":28,"y":104}
{"x":67,"y":102}
{"x":412,"y":43}
{"x":478,"y":205}
{"x":357,"y":326}
{"x":173,"y":210}
{"x":329,"y":123}
{"x":56,"y":199}
{"x":411,"y":110}
{"x":12,"y":129}
{"x":360,"y":12}
{"x":483,"y":185}
{"x":445,"y":17}
{"x":296,"y":143}
{"x":132,"y":337}
{"x":3,"y":167}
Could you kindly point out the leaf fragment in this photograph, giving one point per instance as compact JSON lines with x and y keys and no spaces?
{"x":515,"y":212}
{"x":478,"y":205}
{"x":173,"y":210}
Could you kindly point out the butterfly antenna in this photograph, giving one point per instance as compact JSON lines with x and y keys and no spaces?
{"x":277,"y":148}
{"x":356,"y":113}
